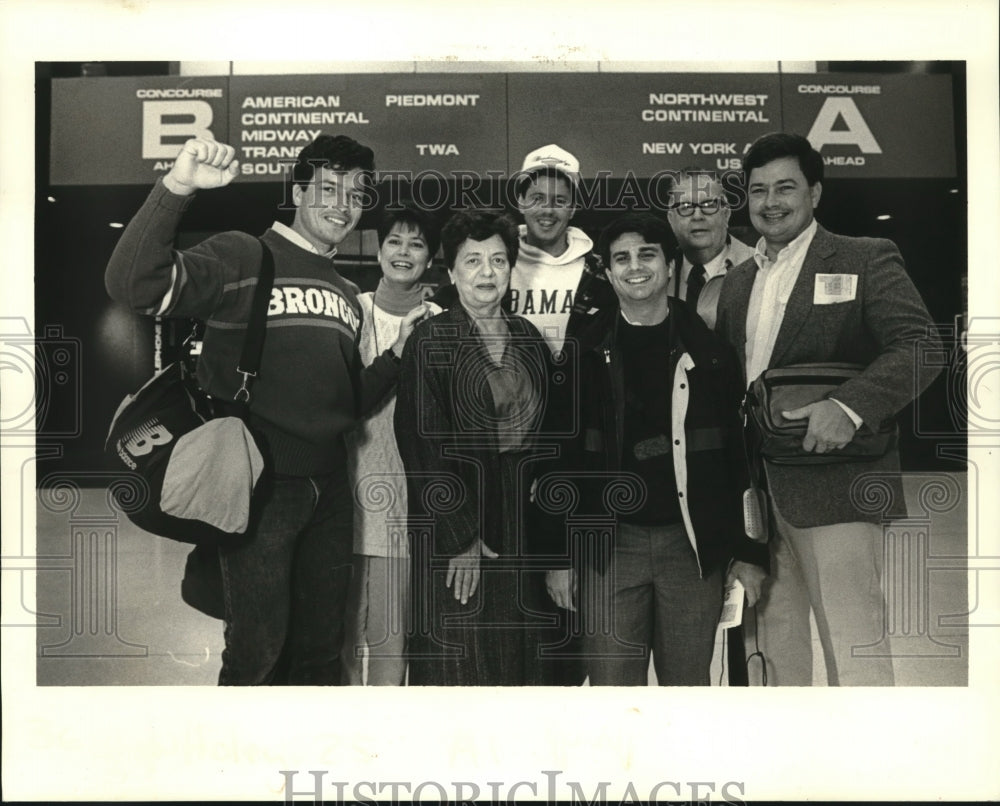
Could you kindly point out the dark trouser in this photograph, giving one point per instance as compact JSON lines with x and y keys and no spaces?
{"x":286,"y":588}
{"x":561,"y":645}
{"x":496,"y":639}
{"x":651,"y":597}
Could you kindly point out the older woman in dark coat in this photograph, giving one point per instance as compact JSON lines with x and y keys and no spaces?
{"x":470,"y":401}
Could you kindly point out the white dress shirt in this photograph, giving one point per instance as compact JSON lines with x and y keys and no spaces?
{"x":766,"y":308}
{"x":771,"y":289}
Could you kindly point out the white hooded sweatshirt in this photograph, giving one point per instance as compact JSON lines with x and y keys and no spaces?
{"x":543,"y":286}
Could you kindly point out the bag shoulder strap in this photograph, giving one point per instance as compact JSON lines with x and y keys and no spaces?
{"x":253,"y":341}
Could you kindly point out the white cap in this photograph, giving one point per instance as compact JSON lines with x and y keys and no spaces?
{"x":554,"y":158}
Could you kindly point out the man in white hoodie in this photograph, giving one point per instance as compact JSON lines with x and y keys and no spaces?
{"x":559,"y":285}
{"x":557,"y":276}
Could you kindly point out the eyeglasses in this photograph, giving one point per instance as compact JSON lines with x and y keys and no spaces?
{"x":710,"y":207}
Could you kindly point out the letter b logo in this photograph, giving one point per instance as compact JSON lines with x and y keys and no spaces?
{"x":192,"y":119}
{"x":146,"y":437}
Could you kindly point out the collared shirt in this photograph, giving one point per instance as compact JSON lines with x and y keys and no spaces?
{"x":766,"y":308}
{"x":715,"y":273}
{"x":716,"y":267}
{"x":287,"y":232}
{"x":771,"y":289}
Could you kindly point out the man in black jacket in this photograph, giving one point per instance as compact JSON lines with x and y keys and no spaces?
{"x":659,"y":453}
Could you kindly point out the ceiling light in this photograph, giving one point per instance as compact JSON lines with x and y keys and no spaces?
{"x":116,"y":225}
{"x":884,"y":217}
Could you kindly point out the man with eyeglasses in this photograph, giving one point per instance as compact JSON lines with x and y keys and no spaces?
{"x":699,"y":216}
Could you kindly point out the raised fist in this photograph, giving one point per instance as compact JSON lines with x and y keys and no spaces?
{"x":203,"y":163}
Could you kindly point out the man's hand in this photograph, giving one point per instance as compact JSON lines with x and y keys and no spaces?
{"x":464,"y":570}
{"x":561,"y":586}
{"x":203,"y":164}
{"x":829,"y":425}
{"x":409,"y":322}
{"x":752,"y":576}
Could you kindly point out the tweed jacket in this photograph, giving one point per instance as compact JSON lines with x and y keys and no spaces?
{"x":880,"y":328}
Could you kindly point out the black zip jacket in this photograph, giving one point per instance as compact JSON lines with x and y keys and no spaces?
{"x":584,"y":495}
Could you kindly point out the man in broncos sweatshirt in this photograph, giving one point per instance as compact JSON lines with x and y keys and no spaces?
{"x":285,"y":587}
{"x":559,"y":285}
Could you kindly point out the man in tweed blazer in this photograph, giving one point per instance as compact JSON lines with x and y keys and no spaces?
{"x":809,"y":296}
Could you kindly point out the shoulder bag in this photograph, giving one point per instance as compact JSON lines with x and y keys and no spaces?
{"x":199,"y":462}
{"x":779,"y":441}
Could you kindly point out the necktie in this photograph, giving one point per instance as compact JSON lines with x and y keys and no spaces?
{"x":695,"y":282}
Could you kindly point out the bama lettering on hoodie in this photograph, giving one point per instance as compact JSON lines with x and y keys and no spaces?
{"x":543,"y":286}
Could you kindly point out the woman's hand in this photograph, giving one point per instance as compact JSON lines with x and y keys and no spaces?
{"x":464,"y":570}
{"x":410,"y":321}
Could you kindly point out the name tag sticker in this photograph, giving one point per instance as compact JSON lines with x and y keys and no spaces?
{"x":833,"y":288}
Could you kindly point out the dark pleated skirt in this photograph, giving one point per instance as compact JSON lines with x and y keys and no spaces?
{"x":498,"y":637}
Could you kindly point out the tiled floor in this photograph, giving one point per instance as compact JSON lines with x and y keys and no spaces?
{"x":149,"y":636}
{"x":110,"y":612}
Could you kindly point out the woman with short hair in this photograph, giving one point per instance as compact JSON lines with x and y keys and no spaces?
{"x":378,"y":605}
{"x":471,"y":396}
